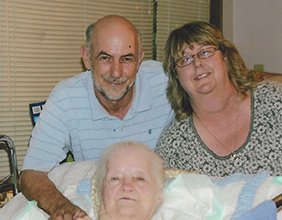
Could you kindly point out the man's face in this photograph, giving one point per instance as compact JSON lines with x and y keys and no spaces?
{"x":115,"y":61}
{"x":129,"y":189}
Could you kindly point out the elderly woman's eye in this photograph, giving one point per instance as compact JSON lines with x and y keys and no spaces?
{"x":140,"y":179}
{"x":114,"y":178}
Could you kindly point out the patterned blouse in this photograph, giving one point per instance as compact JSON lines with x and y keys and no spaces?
{"x":181,"y":146}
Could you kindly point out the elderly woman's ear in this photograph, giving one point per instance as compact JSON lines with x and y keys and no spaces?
{"x":160,"y":197}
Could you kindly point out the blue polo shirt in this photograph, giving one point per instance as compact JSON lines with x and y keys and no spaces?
{"x":73,"y":119}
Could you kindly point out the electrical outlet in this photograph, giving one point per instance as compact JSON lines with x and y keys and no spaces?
{"x":259,"y":67}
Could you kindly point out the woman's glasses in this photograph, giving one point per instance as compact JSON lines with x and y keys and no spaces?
{"x":202,"y":54}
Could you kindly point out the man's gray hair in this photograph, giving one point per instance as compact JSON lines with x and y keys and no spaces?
{"x":89,"y":39}
{"x":157,"y":169}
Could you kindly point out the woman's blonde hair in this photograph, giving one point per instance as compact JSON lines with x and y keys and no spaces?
{"x":201,"y":33}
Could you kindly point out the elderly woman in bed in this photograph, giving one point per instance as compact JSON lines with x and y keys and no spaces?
{"x":130,"y":179}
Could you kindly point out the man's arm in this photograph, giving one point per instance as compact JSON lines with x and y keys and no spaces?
{"x":36,"y":185}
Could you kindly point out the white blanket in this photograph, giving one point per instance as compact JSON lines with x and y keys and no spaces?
{"x":198,"y":197}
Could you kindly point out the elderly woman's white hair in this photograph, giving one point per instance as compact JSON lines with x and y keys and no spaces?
{"x":157,"y":163}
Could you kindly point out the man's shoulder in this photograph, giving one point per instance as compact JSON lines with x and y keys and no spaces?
{"x":151,"y":64}
{"x":75,"y":80}
{"x":151,"y":73}
{"x":151,"y":68}
{"x":75,"y":84}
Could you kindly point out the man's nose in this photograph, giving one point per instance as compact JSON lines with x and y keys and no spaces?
{"x":116,"y":69}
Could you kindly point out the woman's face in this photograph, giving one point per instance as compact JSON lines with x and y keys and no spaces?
{"x":203,"y":76}
{"x":129,"y":188}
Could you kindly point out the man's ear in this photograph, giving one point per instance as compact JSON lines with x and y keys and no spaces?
{"x":141,"y":57}
{"x":84,"y":55}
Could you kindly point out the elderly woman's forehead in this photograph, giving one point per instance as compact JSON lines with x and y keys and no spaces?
{"x":128,"y":153}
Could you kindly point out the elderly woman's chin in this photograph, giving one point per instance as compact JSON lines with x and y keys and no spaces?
{"x":128,"y":210}
{"x":135,"y":213}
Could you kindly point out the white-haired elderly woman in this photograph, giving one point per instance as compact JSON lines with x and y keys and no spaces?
{"x":130,"y":181}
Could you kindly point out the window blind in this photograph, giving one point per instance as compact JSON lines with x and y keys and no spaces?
{"x":174,"y":14}
{"x":40,"y":44}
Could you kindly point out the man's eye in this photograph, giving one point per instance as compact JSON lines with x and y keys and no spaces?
{"x":103,"y":58}
{"x":140,"y":179}
{"x":126,"y":59}
{"x":114,"y":178}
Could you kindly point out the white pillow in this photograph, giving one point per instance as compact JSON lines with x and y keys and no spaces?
{"x":71,"y":173}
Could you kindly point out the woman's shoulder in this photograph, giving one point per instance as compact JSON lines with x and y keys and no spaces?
{"x":175,"y":125}
{"x":269,"y":88}
{"x":268,"y":96}
{"x":175,"y":130}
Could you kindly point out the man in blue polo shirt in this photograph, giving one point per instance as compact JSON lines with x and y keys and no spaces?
{"x":117,"y":99}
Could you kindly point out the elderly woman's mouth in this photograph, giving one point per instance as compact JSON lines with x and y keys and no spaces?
{"x":127,"y":198}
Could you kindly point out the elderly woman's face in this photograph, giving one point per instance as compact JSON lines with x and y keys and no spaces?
{"x":129,"y":189}
{"x":203,"y":75}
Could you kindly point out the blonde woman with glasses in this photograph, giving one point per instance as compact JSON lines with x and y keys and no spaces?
{"x":227,"y":118}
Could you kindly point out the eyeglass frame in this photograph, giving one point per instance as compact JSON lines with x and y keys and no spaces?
{"x":197,"y":54}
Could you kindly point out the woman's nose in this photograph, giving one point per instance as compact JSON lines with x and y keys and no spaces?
{"x":197,"y":62}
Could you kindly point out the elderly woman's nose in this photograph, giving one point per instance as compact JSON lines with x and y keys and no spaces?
{"x":127,"y":185}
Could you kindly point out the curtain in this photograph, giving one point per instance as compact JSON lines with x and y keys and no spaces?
{"x":174,"y":14}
